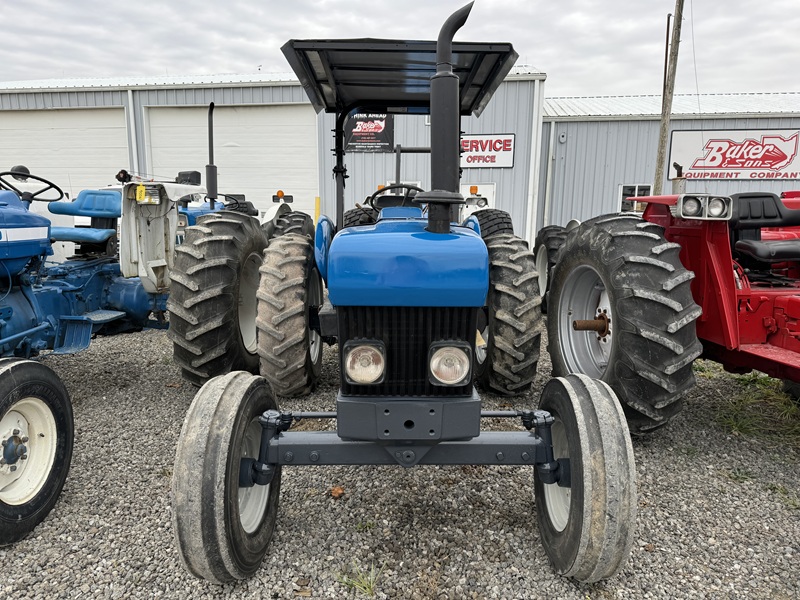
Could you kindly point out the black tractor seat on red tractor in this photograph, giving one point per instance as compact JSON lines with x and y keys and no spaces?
{"x":751,"y":212}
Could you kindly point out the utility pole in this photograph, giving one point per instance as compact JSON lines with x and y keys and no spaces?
{"x":666,"y":98}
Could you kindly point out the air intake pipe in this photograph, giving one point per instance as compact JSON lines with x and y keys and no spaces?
{"x":445,"y":129}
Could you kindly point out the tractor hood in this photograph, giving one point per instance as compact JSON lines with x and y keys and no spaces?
{"x":23,"y":234}
{"x":396,"y":262}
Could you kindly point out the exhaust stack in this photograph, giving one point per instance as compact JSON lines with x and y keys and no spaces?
{"x":211,"y":168}
{"x":445,"y":129}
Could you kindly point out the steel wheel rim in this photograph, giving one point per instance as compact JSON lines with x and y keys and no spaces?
{"x":582,"y":295}
{"x":248,"y":301}
{"x":558,"y":499}
{"x":482,"y":339}
{"x":35,"y":421}
{"x":252,"y":500}
{"x":315,"y":297}
{"x":542,"y":261}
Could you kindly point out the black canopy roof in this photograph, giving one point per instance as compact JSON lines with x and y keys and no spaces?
{"x":393,"y":76}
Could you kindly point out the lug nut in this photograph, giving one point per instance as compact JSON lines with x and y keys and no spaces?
{"x":15,"y":432}
{"x":5,"y":443}
{"x":24,"y":439}
{"x":2,"y":461}
{"x":24,"y":457}
{"x":13,"y":468}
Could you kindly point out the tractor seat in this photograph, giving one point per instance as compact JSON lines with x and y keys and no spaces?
{"x":770,"y":251}
{"x":104,"y":207}
{"x":102,"y":204}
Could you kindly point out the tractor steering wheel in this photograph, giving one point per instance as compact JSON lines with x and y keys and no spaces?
{"x":395,"y":186}
{"x":30,"y":196}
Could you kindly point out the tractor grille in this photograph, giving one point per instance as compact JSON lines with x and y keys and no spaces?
{"x":407,"y":333}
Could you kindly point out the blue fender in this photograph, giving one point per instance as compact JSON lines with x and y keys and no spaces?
{"x":322,"y":243}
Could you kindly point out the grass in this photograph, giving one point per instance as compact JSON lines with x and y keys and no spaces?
{"x":365,"y":581}
{"x":789,"y":499}
{"x":761,"y":409}
{"x":739,"y":475}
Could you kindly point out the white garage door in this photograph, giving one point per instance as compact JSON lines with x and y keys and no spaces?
{"x":257,"y":149}
{"x":76,"y":149}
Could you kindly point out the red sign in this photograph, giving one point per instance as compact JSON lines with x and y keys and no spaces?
{"x":487,"y":151}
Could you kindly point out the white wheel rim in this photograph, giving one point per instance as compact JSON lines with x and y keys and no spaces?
{"x":558,"y":499}
{"x":314,"y":345}
{"x":252,"y":500}
{"x":248,"y":301}
{"x":542,"y":261}
{"x":482,"y":345}
{"x":22,"y":480}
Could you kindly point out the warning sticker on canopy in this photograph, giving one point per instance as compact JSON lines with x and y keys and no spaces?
{"x":736,"y":154}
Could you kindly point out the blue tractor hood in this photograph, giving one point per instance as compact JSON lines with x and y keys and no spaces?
{"x":23,"y":234}
{"x":396,"y":262}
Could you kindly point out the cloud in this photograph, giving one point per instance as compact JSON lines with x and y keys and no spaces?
{"x":586,"y":47}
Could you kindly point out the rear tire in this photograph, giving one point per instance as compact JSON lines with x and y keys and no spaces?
{"x":359,"y":216}
{"x":623,"y":266}
{"x":509,"y":326}
{"x":547,"y":246}
{"x":291,"y":289}
{"x":35,"y":422}
{"x":588,"y":528}
{"x":494,"y":222}
{"x":294,"y":222}
{"x":212,"y":302}
{"x":222,"y":531}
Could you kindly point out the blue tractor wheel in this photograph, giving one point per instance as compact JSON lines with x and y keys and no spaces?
{"x":587,"y":523}
{"x":290,"y":293}
{"x":212,"y":302}
{"x":509,"y":326}
{"x":36,"y":432}
{"x":223,"y":528}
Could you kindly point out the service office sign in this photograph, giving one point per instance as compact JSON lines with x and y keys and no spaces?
{"x":481,"y":151}
{"x":736,"y":154}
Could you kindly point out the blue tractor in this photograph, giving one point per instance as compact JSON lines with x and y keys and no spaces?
{"x":111,"y":285}
{"x":422,"y":305}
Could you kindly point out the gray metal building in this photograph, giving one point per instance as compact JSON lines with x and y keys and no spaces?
{"x":596,"y":151}
{"x":79,"y":133}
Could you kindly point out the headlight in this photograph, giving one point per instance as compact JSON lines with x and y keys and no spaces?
{"x":449,"y":365}
{"x":364,"y":363}
{"x":692,"y":207}
{"x":716,"y":207}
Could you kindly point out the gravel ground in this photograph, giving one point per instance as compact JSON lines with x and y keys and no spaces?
{"x":718,"y":514}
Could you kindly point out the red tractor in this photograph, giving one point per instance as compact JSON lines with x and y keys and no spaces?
{"x":634,"y":299}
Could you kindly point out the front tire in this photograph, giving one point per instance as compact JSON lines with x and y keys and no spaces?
{"x":222,"y":531}
{"x":35,"y":423}
{"x":212,"y":302}
{"x":621,"y":268}
{"x":588,"y":528}
{"x":509,"y":329}
{"x":494,"y":221}
{"x":291,"y":289}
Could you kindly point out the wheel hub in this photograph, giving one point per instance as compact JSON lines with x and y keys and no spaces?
{"x":14,"y":448}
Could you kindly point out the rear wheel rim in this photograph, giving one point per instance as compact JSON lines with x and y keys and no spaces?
{"x":542,"y":262}
{"x":248,"y":302}
{"x":558,"y":499}
{"x":582,"y":296}
{"x":252,"y":500}
{"x":32,"y":419}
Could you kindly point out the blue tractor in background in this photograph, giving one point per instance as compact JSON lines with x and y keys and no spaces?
{"x":422,"y":304}
{"x":117,"y":281}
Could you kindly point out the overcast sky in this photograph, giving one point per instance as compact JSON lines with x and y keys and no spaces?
{"x":586,"y":47}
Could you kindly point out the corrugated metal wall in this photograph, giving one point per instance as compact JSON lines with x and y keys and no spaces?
{"x":589,"y":160}
{"x":513,"y":109}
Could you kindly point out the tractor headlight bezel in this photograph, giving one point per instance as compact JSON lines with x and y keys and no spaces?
{"x":705,"y":207}
{"x":450,"y":363}
{"x":364,"y":362}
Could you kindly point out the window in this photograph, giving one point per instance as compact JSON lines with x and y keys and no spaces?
{"x":627,"y":191}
